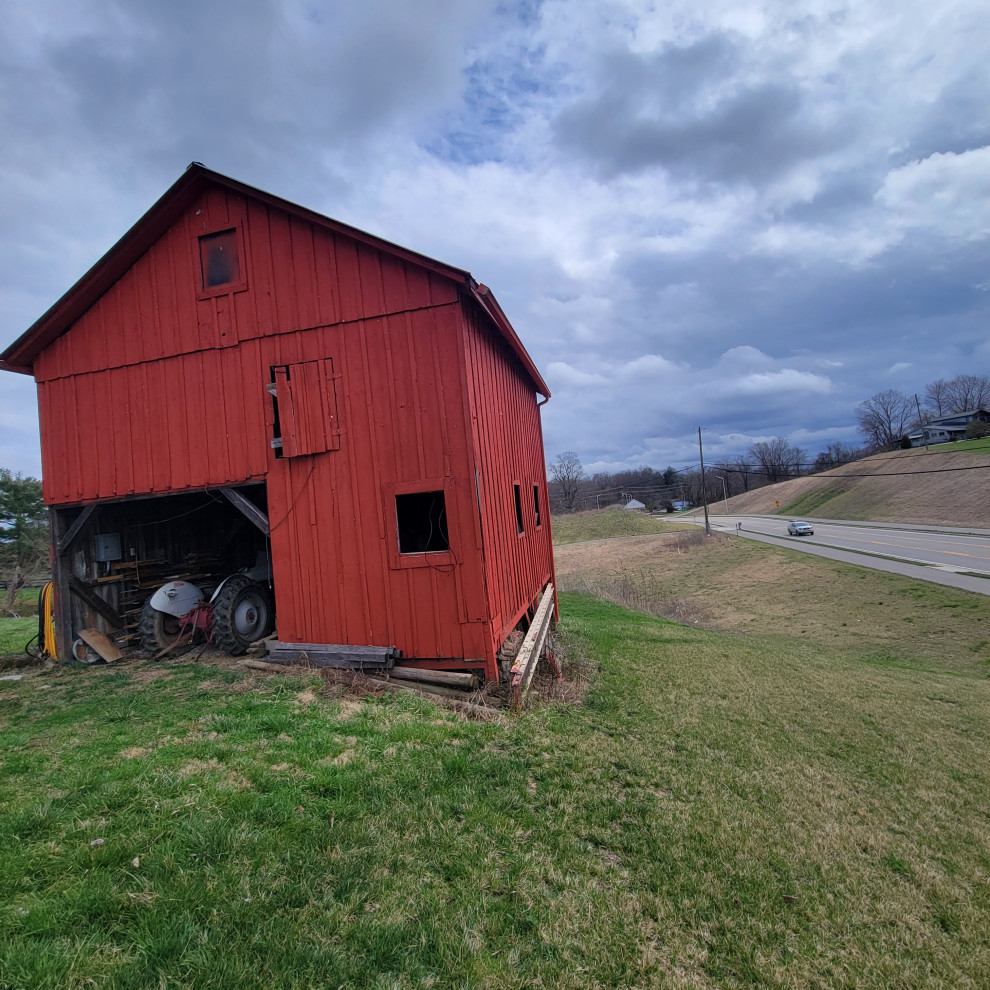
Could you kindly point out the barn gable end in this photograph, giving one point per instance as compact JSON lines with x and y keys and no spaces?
{"x":375,"y":406}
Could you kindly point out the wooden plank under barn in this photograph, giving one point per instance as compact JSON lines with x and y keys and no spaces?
{"x":531,"y":649}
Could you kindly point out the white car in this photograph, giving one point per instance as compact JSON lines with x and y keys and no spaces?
{"x":800,"y":529}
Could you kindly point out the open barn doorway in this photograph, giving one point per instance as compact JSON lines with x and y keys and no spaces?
{"x":110,"y":557}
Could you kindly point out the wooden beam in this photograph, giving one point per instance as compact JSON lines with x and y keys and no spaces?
{"x":436,"y":690}
{"x":61,"y":606}
{"x":97,"y":603}
{"x":450,"y":697}
{"x":529,"y":653}
{"x":451,"y":678}
{"x":341,"y":655}
{"x":419,"y":663}
{"x":73,"y":531}
{"x":259,"y":518}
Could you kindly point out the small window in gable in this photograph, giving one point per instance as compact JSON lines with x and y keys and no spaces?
{"x":520,"y":528}
{"x":536,"y":505}
{"x":219,"y":259}
{"x":304,"y":408}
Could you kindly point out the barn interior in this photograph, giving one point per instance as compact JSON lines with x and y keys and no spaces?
{"x":113,"y":555}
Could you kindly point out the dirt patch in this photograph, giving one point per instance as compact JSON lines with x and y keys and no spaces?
{"x":194,"y":767}
{"x":212,"y":767}
{"x":134,"y":752}
{"x":306,"y":697}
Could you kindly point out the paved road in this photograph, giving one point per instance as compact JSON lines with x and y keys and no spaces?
{"x":942,"y":555}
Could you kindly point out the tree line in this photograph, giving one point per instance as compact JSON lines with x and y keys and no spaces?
{"x":888,"y":417}
{"x":24,"y":554}
{"x":765,"y":463}
{"x":884,"y":421}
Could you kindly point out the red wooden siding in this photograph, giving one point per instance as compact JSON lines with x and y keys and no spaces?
{"x":296,"y":275}
{"x":333,"y":515}
{"x":509,"y":442}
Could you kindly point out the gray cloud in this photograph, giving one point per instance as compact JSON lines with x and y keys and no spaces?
{"x":674,"y":110}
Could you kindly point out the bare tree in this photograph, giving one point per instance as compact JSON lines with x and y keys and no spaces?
{"x":968,"y":392}
{"x":885,"y":418}
{"x":566,"y":473}
{"x":777,"y":458}
{"x":963,"y":393}
{"x":743,"y":468}
{"x":835,"y":455}
{"x":937,"y":398}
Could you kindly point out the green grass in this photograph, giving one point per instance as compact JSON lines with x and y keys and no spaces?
{"x":978,"y":446}
{"x":610,"y":523}
{"x":15,"y":633}
{"x":753,"y":808}
{"x":810,"y":501}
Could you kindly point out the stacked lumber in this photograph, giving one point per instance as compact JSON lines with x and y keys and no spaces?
{"x":341,"y":655}
{"x":138,"y":579}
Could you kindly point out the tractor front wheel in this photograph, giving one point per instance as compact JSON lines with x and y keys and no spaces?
{"x":242,"y":613}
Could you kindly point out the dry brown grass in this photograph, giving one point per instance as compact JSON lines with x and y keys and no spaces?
{"x":736,"y":586}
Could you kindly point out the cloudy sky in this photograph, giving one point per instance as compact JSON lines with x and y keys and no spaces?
{"x":744,"y":215}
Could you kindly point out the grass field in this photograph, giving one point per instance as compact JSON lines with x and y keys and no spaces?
{"x":15,"y":633}
{"x":580,"y":526}
{"x":767,"y":805}
{"x":980,"y":446}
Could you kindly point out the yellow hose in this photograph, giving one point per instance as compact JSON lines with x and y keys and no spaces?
{"x":45,"y":603}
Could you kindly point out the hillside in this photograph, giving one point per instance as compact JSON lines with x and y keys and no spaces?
{"x":941,"y":486}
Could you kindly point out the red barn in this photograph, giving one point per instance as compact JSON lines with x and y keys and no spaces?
{"x":240,"y":375}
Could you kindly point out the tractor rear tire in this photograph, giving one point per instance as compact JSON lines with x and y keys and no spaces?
{"x":243,"y":612}
{"x":158,"y":630}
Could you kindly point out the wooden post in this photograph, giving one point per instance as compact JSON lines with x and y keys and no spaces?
{"x":61,"y":605}
{"x":529,"y":653}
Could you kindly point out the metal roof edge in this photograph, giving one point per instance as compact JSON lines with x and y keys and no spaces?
{"x":486,"y":299}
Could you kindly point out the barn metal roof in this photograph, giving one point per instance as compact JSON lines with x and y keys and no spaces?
{"x":20,"y":354}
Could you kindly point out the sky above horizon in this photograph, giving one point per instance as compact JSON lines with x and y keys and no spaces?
{"x":746,"y":216}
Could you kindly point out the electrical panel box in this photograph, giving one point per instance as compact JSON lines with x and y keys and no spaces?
{"x":107,"y":546}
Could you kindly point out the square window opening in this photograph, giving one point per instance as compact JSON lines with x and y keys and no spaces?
{"x":536,"y":505}
{"x":520,"y":528}
{"x":422,"y":522}
{"x":219,"y":259}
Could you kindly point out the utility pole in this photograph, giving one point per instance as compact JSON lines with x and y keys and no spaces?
{"x":921,"y":422}
{"x":704,"y":494}
{"x":725,"y":493}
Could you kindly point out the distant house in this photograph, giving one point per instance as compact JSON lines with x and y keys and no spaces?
{"x":634,"y":503}
{"x":680,"y":505}
{"x":945,"y":429}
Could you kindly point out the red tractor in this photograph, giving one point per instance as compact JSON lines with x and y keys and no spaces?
{"x":239,"y":612}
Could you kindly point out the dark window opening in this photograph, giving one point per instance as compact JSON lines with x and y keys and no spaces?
{"x":536,"y":504}
{"x":519,"y":519}
{"x":422,"y":520}
{"x":218,"y":259}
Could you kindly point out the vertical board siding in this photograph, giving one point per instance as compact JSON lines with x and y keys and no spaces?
{"x":333,"y":522}
{"x":509,"y":442}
